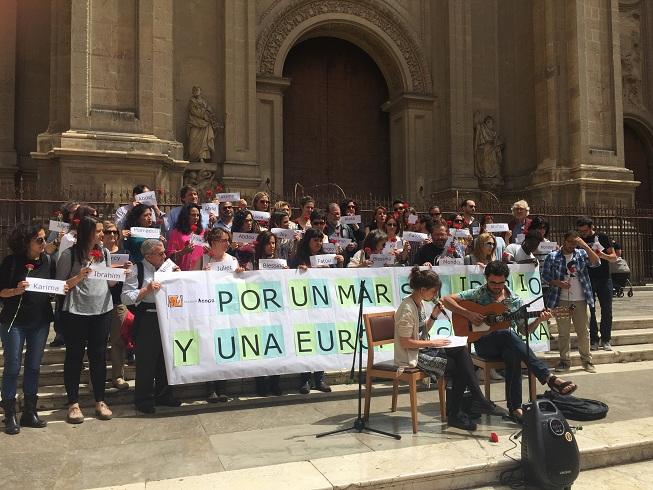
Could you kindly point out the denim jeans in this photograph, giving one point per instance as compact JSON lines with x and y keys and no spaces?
{"x":507,"y":346}
{"x":34,"y":336}
{"x":603,"y":290}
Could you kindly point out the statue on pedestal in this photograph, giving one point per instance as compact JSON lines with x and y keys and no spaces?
{"x":488,"y":153}
{"x":200,"y":128}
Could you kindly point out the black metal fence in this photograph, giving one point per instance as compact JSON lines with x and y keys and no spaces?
{"x":632,"y":228}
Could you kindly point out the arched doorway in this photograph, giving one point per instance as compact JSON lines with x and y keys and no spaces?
{"x":639,"y":159}
{"x":334,"y":130}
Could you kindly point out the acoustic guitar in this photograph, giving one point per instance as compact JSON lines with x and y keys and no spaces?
{"x":497,"y":317}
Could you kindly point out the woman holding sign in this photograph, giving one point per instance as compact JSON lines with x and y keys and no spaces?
{"x":483,"y":250}
{"x":86,"y":316}
{"x":186,"y":239}
{"x":142,"y":216}
{"x":414,"y":348}
{"x":374,"y":243}
{"x":285,"y":246}
{"x":395,"y":244}
{"x":24,"y":321}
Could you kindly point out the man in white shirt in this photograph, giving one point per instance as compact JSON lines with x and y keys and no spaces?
{"x":516,"y":253}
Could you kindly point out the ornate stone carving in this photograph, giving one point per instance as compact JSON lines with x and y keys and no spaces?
{"x":271,"y":39}
{"x":631,"y":55}
{"x":200,"y":128}
{"x":488,"y":153}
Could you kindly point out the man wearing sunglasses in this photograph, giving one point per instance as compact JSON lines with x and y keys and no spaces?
{"x":468,"y":209}
{"x":226,"y":216}
{"x":506,"y":344}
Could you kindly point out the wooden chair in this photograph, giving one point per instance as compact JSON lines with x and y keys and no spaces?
{"x":380,"y":330}
{"x":487,"y":364}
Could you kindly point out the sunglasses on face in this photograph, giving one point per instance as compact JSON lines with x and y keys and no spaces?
{"x":39,"y":239}
{"x":457,"y":221}
{"x":398,"y":209}
{"x":110,"y":232}
{"x":489,"y":244}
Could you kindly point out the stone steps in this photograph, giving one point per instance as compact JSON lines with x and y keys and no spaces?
{"x":619,"y":338}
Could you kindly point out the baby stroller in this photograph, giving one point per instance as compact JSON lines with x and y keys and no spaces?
{"x":620,"y":274}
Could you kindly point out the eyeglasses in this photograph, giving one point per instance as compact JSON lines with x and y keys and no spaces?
{"x":391,"y":224}
{"x":39,"y":240}
{"x":489,"y":244}
{"x":497,"y":283}
{"x":398,"y":209}
{"x":220,"y":240}
{"x":110,"y":232}
{"x":457,"y":221}
{"x":318,"y":223}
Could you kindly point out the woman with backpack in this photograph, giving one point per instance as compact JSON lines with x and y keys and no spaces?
{"x":24,"y":321}
{"x":86,"y":316}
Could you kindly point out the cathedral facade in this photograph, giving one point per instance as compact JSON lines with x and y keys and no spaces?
{"x":551,"y":99}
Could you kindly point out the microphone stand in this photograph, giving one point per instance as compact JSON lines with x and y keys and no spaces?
{"x":359,"y":423}
{"x":524,"y":317}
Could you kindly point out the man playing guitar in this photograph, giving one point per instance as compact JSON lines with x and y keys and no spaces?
{"x":505,"y":344}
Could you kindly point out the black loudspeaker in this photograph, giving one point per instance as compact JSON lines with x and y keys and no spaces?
{"x":549,"y":452}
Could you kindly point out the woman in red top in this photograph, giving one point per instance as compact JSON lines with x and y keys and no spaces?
{"x":183,"y":252}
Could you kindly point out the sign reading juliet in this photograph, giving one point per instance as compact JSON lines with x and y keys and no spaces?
{"x":223,"y":325}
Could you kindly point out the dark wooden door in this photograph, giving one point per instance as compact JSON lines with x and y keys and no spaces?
{"x":334,"y":130}
{"x":638,"y":159}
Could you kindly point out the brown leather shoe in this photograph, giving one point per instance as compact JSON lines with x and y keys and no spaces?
{"x":120,"y":383}
{"x":102,"y":411}
{"x":75,"y":415}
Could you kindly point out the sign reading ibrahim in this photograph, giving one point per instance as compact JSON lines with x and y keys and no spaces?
{"x":223,"y":325}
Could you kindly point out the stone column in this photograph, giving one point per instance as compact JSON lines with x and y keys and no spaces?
{"x":579,"y":105}
{"x":8,"y":165}
{"x":269,"y":93}
{"x":411,"y":148}
{"x":115,"y":71}
{"x":241,"y":170}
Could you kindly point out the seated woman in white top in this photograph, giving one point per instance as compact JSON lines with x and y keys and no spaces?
{"x":413,"y":348}
{"x":373,"y":244}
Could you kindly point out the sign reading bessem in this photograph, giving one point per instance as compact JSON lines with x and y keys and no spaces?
{"x":225,"y":325}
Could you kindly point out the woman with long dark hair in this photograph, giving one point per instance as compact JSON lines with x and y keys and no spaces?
{"x":141,"y":216}
{"x":86,"y":316}
{"x":24,"y":321}
{"x":306,"y":207}
{"x":244,"y":252}
{"x":414,"y":348}
{"x":184,"y":253}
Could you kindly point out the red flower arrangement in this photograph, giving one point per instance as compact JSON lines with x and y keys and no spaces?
{"x":449,"y":223}
{"x":457,"y":226}
{"x":333,"y":241}
{"x":368,"y":251}
{"x":219,"y":188}
{"x":208,"y":193}
{"x":95,"y":255}
{"x":193,"y":228}
{"x":451,"y":250}
{"x":29,"y":266}
{"x":393,"y":239}
{"x":406,"y":205}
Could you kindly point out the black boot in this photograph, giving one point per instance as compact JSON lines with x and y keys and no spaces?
{"x":11,"y":424}
{"x":30,"y":417}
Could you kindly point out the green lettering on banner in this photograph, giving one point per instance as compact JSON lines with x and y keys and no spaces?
{"x":305,"y":341}
{"x":272,"y":296}
{"x":383,"y":294}
{"x":250,"y":296}
{"x":326,"y":338}
{"x":526,"y":284}
{"x":250,"y":343}
{"x":186,"y":348}
{"x":346,"y":337}
{"x":299,"y":294}
{"x":227,"y":299}
{"x":319,"y":293}
{"x":441,"y":327}
{"x":273,"y":343}
{"x":403,"y":287}
{"x":226,"y":345}
{"x":345,"y":292}
{"x":462,"y":282}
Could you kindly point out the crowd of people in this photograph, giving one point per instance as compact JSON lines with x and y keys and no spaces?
{"x":93,"y":313}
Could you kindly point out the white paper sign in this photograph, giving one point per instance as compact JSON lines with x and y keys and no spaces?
{"x":47,"y":286}
{"x":148,"y":198}
{"x":103,"y":273}
{"x":270,"y":264}
{"x":226,"y":266}
{"x":496,"y":227}
{"x":446,"y":260}
{"x":261,"y":216}
{"x":520,"y":238}
{"x":351,"y":220}
{"x":141,"y":232}
{"x":59,"y":226}
{"x":547,"y":247}
{"x":454,"y":341}
{"x":330,"y":248}
{"x":412,"y":219}
{"x":210,"y":207}
{"x":476,"y":230}
{"x":118,"y":260}
{"x":459,"y":233}
{"x":244,"y":237}
{"x":197,"y":240}
{"x":228,"y":196}
{"x":167,"y":266}
{"x":322,"y":260}
{"x":412,"y":236}
{"x":284,"y":233}
{"x":380,"y":260}
{"x":343,"y":242}
{"x":596,"y":246}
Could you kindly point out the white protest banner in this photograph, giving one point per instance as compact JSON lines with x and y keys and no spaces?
{"x":260,"y":215}
{"x":476,"y":230}
{"x":118,"y":260}
{"x":381,"y":260}
{"x":47,"y":286}
{"x":412,"y":236}
{"x":140,"y":232}
{"x":547,"y":247}
{"x":412,"y":219}
{"x":354,"y":219}
{"x":284,"y":233}
{"x":343,"y":242}
{"x":167,"y":266}
{"x":446,"y":260}
{"x":102,"y":273}
{"x":197,"y":240}
{"x":225,"y":266}
{"x":323,"y":260}
{"x":59,"y":226}
{"x":228,"y":196}
{"x":459,"y":233}
{"x":496,"y":227}
{"x":272,"y":264}
{"x":218,"y":325}
{"x":330,"y":248}
{"x":244,"y":237}
{"x":211,"y":207}
{"x":148,"y":198}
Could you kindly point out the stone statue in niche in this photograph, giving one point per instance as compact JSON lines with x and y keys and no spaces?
{"x":631,"y":69}
{"x":200,"y":128}
{"x":488,"y":153}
